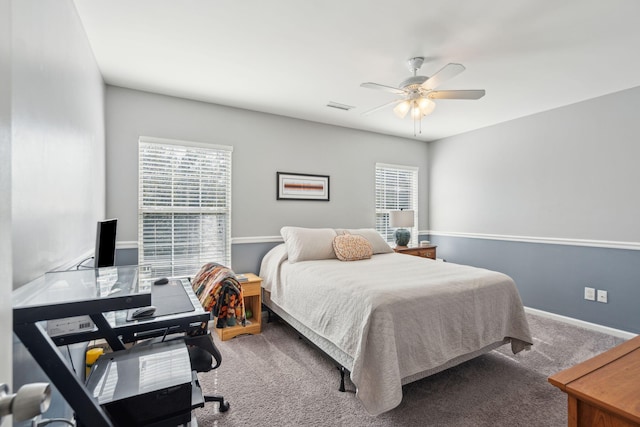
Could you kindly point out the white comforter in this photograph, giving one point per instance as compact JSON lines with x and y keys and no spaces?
{"x":397,"y":315}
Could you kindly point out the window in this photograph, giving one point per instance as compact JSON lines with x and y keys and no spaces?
{"x":396,"y":188}
{"x":184,"y":206}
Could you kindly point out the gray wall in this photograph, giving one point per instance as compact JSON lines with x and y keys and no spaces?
{"x":58,"y":176}
{"x":5,"y":192}
{"x":566,"y":173}
{"x":552,"y":200}
{"x":56,"y":190}
{"x":262,"y":145}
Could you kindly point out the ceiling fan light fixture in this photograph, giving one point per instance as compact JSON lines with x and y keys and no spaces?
{"x":402,"y":109}
{"x":416,"y":114}
{"x":418,"y":91}
{"x":426,"y":106}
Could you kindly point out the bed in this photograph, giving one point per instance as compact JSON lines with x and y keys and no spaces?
{"x":388,"y":318}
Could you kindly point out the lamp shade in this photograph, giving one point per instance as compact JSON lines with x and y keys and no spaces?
{"x":402,"y":109}
{"x":426,"y":106}
{"x":403,"y":218}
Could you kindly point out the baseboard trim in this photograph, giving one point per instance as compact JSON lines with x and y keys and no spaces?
{"x":577,"y":322}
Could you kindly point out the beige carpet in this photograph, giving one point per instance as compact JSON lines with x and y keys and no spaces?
{"x":276,"y":379}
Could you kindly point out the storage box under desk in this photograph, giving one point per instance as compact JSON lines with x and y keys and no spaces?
{"x":144,"y":385}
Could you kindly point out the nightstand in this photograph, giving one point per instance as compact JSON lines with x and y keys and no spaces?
{"x":253,"y":302}
{"x":423,"y":251}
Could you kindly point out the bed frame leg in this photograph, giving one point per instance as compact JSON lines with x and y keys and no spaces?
{"x":269,"y":313}
{"x":342,"y":371}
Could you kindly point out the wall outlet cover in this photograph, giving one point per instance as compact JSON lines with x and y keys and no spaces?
{"x":590,"y":294}
{"x":603,"y":296}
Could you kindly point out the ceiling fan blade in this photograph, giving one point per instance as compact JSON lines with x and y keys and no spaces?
{"x":391,"y":89}
{"x":456,"y":94}
{"x":445,"y":73}
{"x":380,"y":107}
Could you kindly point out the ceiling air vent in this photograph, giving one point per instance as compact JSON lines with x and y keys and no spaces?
{"x":339,"y":106}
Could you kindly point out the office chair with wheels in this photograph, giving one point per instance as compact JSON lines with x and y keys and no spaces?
{"x":202,"y":351}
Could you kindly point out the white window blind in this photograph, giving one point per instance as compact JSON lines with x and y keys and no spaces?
{"x":184,"y":206}
{"x":396,"y":188}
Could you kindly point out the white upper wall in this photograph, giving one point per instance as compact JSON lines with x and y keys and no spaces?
{"x":58,"y":176}
{"x":263,"y":144}
{"x":568,"y":173}
{"x":6,"y":318}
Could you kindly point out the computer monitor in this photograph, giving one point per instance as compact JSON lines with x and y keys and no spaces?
{"x":105,"y":254}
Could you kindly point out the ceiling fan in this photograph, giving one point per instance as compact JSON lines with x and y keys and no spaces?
{"x":418,"y":91}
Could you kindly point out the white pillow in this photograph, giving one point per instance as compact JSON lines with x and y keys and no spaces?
{"x":378,"y":244}
{"x":307,"y":244}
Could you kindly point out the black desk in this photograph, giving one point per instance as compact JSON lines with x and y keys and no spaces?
{"x":105,"y":295}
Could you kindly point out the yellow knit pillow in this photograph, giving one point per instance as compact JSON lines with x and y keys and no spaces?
{"x":351,"y":247}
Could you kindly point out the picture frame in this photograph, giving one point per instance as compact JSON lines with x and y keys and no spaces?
{"x":302,"y":186}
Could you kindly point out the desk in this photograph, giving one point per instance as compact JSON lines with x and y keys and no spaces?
{"x":105,"y":295}
{"x":604,"y":390}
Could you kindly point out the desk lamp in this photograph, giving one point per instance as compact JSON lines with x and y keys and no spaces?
{"x":401,"y":219}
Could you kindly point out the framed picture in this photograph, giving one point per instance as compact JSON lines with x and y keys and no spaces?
{"x":300,"y":186}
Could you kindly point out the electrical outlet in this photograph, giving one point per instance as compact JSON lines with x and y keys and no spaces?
{"x":590,"y":294}
{"x":602,"y":296}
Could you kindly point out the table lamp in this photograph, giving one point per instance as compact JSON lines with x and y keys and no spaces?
{"x":401,"y":219}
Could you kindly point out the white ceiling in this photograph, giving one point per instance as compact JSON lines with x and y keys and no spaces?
{"x":292,"y":57}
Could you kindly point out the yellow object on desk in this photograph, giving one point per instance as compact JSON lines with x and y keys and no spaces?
{"x":91,"y":357}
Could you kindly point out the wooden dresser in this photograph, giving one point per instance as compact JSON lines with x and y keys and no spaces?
{"x":423,"y":251}
{"x":604,"y":390}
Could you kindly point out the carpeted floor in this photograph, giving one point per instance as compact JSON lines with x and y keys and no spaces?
{"x":276,"y":379}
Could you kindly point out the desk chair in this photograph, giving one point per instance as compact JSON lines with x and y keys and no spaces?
{"x":202,"y":350}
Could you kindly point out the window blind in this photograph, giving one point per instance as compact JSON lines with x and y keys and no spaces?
{"x":396,"y":188}
{"x":184,"y":206}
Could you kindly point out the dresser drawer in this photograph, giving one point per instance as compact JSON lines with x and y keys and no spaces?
{"x":425,"y":252}
{"x":251,"y":288}
{"x":428,"y":253}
